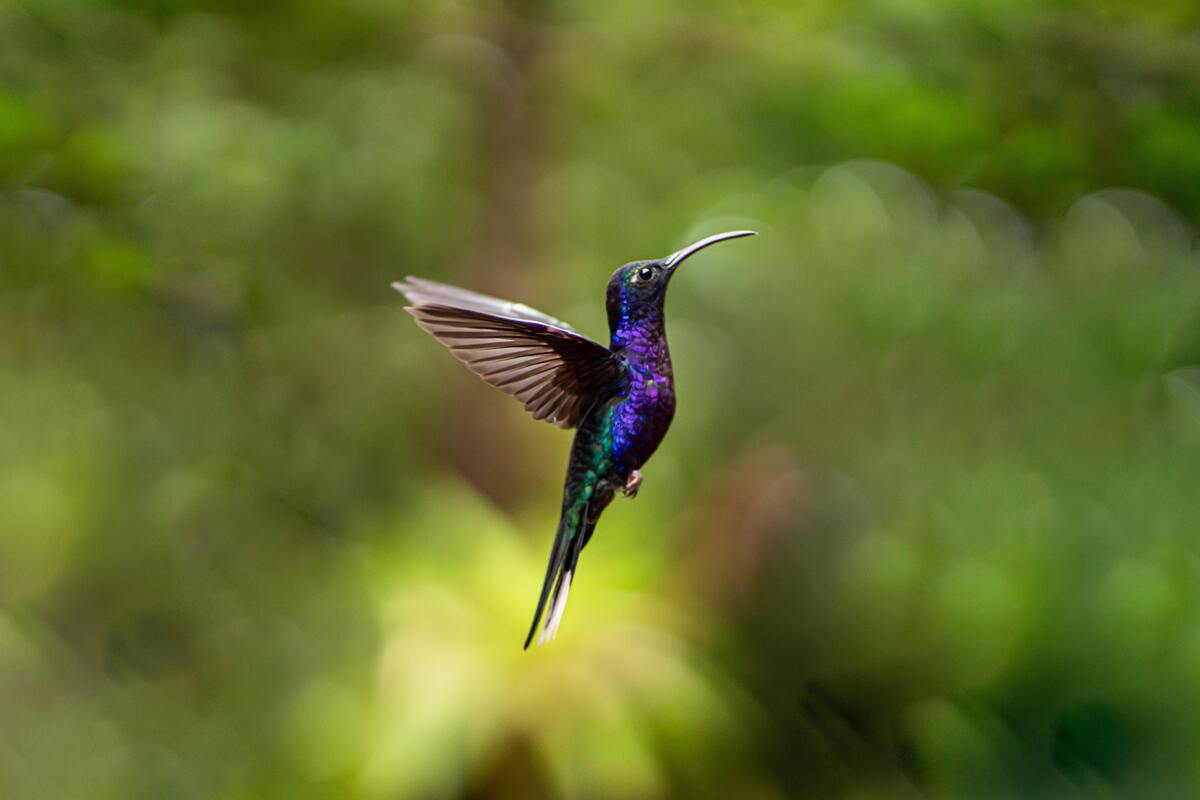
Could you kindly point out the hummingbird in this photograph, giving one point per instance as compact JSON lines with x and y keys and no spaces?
{"x":619,"y":399}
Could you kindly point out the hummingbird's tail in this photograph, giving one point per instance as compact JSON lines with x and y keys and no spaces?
{"x":573,"y":532}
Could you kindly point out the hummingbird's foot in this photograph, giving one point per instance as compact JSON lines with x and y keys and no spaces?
{"x":632,"y":483}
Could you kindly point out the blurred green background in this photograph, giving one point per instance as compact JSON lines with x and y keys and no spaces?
{"x":927,"y":520}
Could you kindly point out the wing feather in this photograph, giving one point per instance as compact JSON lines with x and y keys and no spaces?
{"x":556,"y":372}
{"x":422,"y":292}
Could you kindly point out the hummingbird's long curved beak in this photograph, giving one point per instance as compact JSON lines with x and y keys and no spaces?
{"x":675,"y":259}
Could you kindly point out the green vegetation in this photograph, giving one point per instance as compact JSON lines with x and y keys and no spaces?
{"x":926,"y":521}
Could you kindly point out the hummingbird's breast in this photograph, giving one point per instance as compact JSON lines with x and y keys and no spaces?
{"x":641,"y":417}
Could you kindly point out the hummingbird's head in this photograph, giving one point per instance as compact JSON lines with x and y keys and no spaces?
{"x":639,"y":288}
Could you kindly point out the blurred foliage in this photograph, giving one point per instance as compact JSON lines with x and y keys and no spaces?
{"x":925,"y":524}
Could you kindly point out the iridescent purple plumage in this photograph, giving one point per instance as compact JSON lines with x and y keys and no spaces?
{"x":621,"y":399}
{"x":645,"y":410}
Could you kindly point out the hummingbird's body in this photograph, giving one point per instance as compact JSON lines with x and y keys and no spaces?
{"x":621,"y":399}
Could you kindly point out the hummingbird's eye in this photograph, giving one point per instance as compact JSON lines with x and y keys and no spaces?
{"x":645,"y":273}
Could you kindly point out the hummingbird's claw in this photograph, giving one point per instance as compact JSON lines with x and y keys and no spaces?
{"x":632,"y":483}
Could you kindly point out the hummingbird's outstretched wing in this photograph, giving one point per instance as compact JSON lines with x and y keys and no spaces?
{"x":555,"y":371}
